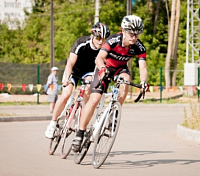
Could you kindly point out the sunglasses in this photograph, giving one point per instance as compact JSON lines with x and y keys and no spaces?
{"x":99,"y":38}
{"x":133,"y":35}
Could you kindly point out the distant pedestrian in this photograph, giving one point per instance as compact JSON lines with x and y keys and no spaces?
{"x":52,"y":88}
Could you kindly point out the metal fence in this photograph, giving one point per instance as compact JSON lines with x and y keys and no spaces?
{"x":20,"y":76}
{"x":17,"y":75}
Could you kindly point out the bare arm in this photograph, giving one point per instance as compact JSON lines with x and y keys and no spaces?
{"x":68,"y":68}
{"x":100,"y":59}
{"x":143,"y":70}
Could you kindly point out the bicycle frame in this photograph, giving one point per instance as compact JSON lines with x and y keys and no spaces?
{"x":102,"y":118}
{"x":68,"y":104}
{"x":77,"y":102}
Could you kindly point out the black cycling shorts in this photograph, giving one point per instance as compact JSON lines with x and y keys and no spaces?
{"x":105,"y":83}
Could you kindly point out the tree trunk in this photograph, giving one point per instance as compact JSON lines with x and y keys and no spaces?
{"x":176,"y":32}
{"x":167,"y":9}
{"x":156,"y":16}
{"x":170,"y":44}
{"x":150,"y":8}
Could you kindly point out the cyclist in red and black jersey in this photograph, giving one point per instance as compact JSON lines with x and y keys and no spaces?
{"x":112,"y":60}
{"x":118,"y":54}
{"x":80,"y":64}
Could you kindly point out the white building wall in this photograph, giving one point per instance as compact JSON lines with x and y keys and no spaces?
{"x":12,"y":12}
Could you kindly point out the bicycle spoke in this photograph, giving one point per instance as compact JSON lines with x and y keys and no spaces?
{"x":68,"y":135}
{"x":79,"y":156}
{"x":105,"y":141}
{"x":54,"y":142}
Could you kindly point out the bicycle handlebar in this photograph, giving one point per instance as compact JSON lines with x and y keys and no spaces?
{"x":120,"y":80}
{"x":142,"y":93}
{"x":85,"y":81}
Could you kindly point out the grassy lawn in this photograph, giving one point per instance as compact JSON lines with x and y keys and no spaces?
{"x":192,"y":117}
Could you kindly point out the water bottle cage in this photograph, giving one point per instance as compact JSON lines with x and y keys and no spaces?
{"x":115,"y":93}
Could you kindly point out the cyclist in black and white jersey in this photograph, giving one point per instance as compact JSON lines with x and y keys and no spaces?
{"x":80,"y":64}
{"x":112,"y":60}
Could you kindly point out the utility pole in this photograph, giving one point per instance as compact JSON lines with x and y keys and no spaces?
{"x":128,"y":7}
{"x":52,"y":36}
{"x":96,"y":11}
{"x":129,"y":12}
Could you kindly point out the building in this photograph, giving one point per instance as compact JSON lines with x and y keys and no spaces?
{"x":12,"y":12}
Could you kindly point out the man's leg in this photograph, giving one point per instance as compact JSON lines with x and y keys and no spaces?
{"x":87,"y":91}
{"x":59,"y":106}
{"x":123,"y":90}
{"x":86,"y":116}
{"x":51,"y":106}
{"x":61,"y":102}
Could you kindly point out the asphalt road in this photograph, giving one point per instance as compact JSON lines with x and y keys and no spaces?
{"x":146,"y":145}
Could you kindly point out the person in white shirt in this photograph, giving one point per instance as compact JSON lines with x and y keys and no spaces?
{"x":52,"y":88}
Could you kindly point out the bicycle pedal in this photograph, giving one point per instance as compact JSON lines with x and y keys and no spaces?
{"x":57,"y":132}
{"x":87,"y":134}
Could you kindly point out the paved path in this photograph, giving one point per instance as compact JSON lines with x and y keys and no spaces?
{"x":147,"y":145}
{"x":24,"y":113}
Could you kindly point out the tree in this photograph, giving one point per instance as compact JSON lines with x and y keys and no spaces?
{"x":74,"y":18}
{"x":176,"y":34}
{"x":172,"y":42}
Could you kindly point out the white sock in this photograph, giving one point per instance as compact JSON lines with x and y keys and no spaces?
{"x":53,"y":123}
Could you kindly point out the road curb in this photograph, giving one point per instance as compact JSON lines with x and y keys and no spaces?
{"x":33,"y":118}
{"x":188,"y":134}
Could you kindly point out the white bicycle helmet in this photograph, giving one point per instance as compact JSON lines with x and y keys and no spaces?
{"x":100,"y":30}
{"x":132,"y":24}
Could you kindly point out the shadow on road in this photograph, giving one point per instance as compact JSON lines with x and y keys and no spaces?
{"x":112,"y":154}
{"x":150,"y":163}
{"x":145,"y":163}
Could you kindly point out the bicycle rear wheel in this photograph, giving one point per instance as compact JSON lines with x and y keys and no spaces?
{"x":79,"y":156}
{"x":105,"y":140}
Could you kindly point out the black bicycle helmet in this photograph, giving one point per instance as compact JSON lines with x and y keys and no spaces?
{"x":100,"y":30}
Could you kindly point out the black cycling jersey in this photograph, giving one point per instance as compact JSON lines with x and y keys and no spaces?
{"x":118,"y":55}
{"x":86,"y":55}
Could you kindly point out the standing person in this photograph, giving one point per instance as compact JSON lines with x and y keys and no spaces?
{"x":112,"y":60}
{"x":80,"y":64}
{"x":52,"y":88}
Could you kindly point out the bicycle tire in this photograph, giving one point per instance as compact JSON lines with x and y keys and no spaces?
{"x":54,"y":142}
{"x":66,"y":143}
{"x":69,"y":134}
{"x":79,"y":156}
{"x":103,"y":142}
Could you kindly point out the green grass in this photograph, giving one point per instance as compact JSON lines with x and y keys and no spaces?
{"x":192,"y":117}
{"x":22,"y":103}
{"x":6,"y":114}
{"x":164,"y":100}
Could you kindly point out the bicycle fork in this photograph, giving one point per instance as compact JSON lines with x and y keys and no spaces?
{"x":101,"y":123}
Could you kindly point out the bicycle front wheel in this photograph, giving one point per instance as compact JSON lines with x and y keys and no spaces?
{"x":66,"y":143}
{"x":69,"y":132}
{"x":54,"y":143}
{"x":106,"y":137}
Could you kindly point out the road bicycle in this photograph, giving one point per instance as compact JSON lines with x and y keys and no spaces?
{"x":66,"y":129}
{"x":104,"y":131}
{"x":54,"y":142}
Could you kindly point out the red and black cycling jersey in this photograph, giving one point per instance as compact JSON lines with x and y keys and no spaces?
{"x":118,"y":55}
{"x":86,"y":55}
